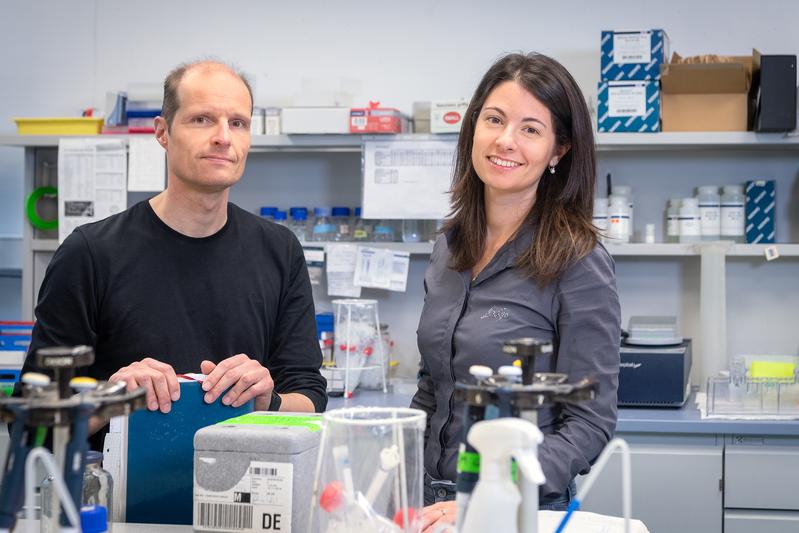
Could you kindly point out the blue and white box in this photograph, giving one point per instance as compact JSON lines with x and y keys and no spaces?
{"x":760,"y":202}
{"x":633,"y":55}
{"x":628,"y":106}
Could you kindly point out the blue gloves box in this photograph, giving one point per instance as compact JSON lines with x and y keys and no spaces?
{"x":633,"y":55}
{"x":628,"y":106}
{"x":760,"y":203}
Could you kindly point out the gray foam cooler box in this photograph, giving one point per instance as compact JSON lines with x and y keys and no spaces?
{"x":255,"y":473}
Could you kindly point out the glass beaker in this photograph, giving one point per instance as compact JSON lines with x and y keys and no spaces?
{"x":369,"y":471}
{"x":357,"y":344}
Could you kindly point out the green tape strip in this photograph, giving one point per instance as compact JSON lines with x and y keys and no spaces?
{"x":469,"y":462}
{"x":30,"y":208}
{"x":312,"y":422}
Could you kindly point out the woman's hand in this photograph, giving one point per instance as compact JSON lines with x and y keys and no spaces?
{"x":438,"y":514}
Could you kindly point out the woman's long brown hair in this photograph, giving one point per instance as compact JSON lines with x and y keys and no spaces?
{"x":561,"y":215}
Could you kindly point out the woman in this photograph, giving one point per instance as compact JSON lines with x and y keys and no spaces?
{"x":519,"y":257}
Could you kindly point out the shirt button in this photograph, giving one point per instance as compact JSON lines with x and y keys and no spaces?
{"x":442,"y":493}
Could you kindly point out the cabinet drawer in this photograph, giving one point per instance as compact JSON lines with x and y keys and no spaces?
{"x":761,"y":478}
{"x":761,"y":521}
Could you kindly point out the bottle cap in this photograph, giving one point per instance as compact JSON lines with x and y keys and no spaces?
{"x":341,"y":211}
{"x":93,"y":519}
{"x":321,"y":211}
{"x":268,"y":211}
{"x":280,"y":215}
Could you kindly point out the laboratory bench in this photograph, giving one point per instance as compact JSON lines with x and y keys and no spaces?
{"x":688,"y":474}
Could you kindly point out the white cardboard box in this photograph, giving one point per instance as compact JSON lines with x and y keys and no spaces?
{"x":315,"y":120}
{"x":446,"y":116}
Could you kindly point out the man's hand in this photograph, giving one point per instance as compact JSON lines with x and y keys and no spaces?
{"x":246,"y":378}
{"x":158,"y":380}
{"x":438,"y":514}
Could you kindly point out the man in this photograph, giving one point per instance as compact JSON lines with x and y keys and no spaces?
{"x":185,"y":281}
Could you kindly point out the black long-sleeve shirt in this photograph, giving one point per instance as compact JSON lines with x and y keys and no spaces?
{"x":132,"y":287}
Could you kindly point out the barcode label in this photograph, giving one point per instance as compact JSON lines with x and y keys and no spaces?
{"x":262,"y":471}
{"x":223,"y":516}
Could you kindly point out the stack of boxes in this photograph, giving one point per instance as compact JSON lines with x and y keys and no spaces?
{"x":629,"y":87}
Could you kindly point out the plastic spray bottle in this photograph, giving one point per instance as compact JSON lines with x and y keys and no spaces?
{"x":494,"y":505}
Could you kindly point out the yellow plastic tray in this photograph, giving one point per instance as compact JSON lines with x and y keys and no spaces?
{"x":59,"y":126}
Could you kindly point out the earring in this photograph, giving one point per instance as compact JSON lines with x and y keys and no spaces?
{"x":551,"y":169}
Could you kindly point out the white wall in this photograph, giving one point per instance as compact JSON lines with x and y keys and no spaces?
{"x":59,"y":57}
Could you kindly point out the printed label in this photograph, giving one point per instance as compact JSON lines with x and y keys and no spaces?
{"x":627,"y":100}
{"x":632,"y":47}
{"x":732,"y":220}
{"x":711,"y":220}
{"x":689,"y":227}
{"x":673,"y":226}
{"x":260,"y":501}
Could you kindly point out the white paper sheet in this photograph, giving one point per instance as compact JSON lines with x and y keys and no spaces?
{"x":315,"y":260}
{"x":407,"y":178}
{"x":92,"y":180}
{"x":341,"y":259}
{"x":381,"y":268}
{"x":146,"y":164}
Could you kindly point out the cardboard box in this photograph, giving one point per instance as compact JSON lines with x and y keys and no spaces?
{"x":632,"y":55}
{"x":315,"y":120}
{"x":446,"y":116}
{"x":628,"y":106}
{"x":710,"y":96}
{"x":776,"y":94}
{"x":376,"y":119}
{"x":760,"y":203}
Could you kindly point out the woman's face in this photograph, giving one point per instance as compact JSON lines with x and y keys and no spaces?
{"x":514,"y":141}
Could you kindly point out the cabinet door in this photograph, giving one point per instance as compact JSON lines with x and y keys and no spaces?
{"x":674,"y":488}
{"x":761,"y":521}
{"x":761,"y":473}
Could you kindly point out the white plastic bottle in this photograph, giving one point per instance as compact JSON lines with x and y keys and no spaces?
{"x":690,"y":220}
{"x":673,"y":220}
{"x":494,"y":505}
{"x":618,"y":219}
{"x":627,"y":192}
{"x":710,"y":211}
{"x":732,"y":213}
{"x":600,"y":218}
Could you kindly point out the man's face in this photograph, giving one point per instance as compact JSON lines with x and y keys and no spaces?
{"x":208,"y":141}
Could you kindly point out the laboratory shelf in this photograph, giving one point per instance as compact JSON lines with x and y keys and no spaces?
{"x":605,"y":141}
{"x":44,"y":245}
{"x":616,"y":250}
{"x":413,"y":248}
{"x":691,"y":139}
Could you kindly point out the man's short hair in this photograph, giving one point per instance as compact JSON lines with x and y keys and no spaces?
{"x":173,"y":79}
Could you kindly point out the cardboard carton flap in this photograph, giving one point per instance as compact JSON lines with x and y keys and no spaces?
{"x":711,"y":78}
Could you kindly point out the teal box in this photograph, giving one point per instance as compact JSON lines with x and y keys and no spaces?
{"x":633,"y":55}
{"x":628,"y":106}
{"x":760,"y":211}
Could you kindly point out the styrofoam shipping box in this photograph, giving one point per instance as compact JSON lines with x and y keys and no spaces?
{"x":256,"y":472}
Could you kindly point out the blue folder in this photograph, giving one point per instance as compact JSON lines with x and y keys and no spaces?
{"x":161,"y":456}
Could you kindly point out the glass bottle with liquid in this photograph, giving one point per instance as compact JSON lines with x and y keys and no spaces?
{"x":673,"y":220}
{"x":710,"y":212}
{"x":323,"y":229}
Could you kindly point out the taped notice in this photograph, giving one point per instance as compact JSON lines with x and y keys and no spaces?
{"x":92,"y":181}
{"x":407,"y":179}
{"x":260,"y":501}
{"x":382,"y":268}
